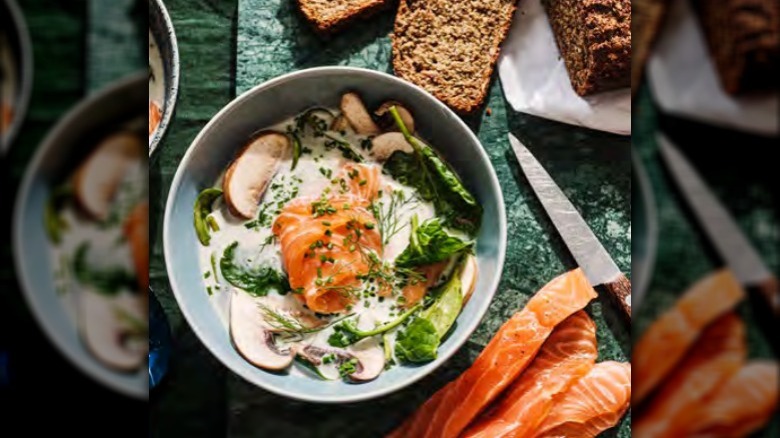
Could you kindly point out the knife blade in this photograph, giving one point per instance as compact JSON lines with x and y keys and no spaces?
{"x":584,"y":246}
{"x":719,"y":226}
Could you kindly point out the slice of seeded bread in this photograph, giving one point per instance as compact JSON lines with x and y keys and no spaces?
{"x":594,"y":38}
{"x":328,"y":16}
{"x":450,"y":47}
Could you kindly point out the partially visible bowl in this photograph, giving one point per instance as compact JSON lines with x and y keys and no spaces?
{"x":53,"y":160}
{"x":214,"y":148}
{"x":161,"y":27}
{"x":14,"y":30}
{"x":644,"y":231}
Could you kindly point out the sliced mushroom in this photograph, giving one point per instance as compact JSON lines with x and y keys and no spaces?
{"x":252,"y":337}
{"x":468,"y":277}
{"x":357,"y":115}
{"x":371,"y":360}
{"x":386,"y":121}
{"x":248,"y":176}
{"x":106,"y":334}
{"x":97,"y":179}
{"x":340,"y":124}
{"x":383,"y":146}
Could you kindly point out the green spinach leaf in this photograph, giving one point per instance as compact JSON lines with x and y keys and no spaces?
{"x":435,"y":182}
{"x":108,"y":281}
{"x":429,"y":243}
{"x":418,"y":342}
{"x":256,"y":281}
{"x":201,"y":212}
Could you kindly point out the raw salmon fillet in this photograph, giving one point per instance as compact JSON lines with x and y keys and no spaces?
{"x":452,"y":408}
{"x":594,"y":404}
{"x":324,"y":240}
{"x":744,"y":403}
{"x":155,"y":115}
{"x":717,"y":355}
{"x":665,"y":342}
{"x":565,"y":357}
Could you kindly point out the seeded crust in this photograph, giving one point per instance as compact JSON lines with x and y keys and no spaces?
{"x":594,"y":39}
{"x":329,"y":16}
{"x":744,"y":41}
{"x":450,"y":47}
{"x":646,"y":20}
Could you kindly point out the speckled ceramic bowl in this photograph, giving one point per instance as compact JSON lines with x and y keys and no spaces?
{"x":12,"y":25}
{"x":162,"y":28}
{"x":644,"y":232}
{"x":216,"y":145}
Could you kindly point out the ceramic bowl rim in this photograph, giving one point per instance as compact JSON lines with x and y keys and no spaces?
{"x":172,"y":77}
{"x":24,"y":50}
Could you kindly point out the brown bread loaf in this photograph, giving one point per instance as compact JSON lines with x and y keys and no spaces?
{"x":328,"y":16}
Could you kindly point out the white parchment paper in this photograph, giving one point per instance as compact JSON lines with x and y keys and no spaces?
{"x":535,"y":80}
{"x":684,"y":81}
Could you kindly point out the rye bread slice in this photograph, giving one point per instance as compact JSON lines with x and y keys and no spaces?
{"x":647,"y":16}
{"x":594,"y":38}
{"x":329,"y":16}
{"x":450,"y":47}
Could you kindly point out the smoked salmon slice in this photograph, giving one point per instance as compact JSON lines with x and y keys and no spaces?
{"x":155,"y":115}
{"x":717,"y":355}
{"x":594,"y":404}
{"x":666,"y":340}
{"x":325,"y":240}
{"x":744,"y":404}
{"x":565,"y":357}
{"x":453,"y":407}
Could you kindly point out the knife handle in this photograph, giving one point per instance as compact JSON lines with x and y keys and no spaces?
{"x":770,"y":292}
{"x":619,"y":290}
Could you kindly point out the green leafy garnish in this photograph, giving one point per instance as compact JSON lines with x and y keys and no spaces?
{"x":297,"y":149}
{"x":52,"y":221}
{"x":256,"y":281}
{"x":348,"y":367}
{"x":108,"y":281}
{"x":311,"y":367}
{"x":201,"y":213}
{"x":435,"y":182}
{"x":418,"y":342}
{"x":347,"y":333}
{"x":429,"y":243}
{"x":388,"y":214}
{"x":343,"y":146}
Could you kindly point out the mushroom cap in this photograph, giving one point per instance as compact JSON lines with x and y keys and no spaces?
{"x":103,"y":331}
{"x":248,"y":176}
{"x":383,"y":146}
{"x":355,"y":111}
{"x":253,"y":339}
{"x":386,"y":120}
{"x":468,"y":276}
{"x":97,"y":179}
{"x":371,"y":359}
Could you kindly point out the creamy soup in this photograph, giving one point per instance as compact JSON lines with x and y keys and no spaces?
{"x":97,"y":222}
{"x":156,"y":85}
{"x":325,"y":247}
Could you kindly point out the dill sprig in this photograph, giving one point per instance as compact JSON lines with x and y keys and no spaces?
{"x":388,"y":215}
{"x":289,"y":325}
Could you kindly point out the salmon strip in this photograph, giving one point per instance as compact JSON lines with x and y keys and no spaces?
{"x":6,"y":116}
{"x":324,"y":241}
{"x":744,"y":404}
{"x":155,"y":115}
{"x":452,"y":408}
{"x":565,"y":357}
{"x":665,"y":342}
{"x":136,"y":229}
{"x":594,"y":404}
{"x":717,"y":355}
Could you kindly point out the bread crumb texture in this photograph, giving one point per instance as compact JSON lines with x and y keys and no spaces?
{"x":594,"y":38}
{"x":450,"y":47}
{"x":328,"y":16}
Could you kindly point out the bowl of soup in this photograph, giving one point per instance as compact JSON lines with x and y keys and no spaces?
{"x":334,"y":234}
{"x":15,"y":71}
{"x":163,"y":72}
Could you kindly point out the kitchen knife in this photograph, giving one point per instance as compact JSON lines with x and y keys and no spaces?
{"x":586,"y":249}
{"x":721,"y":229}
